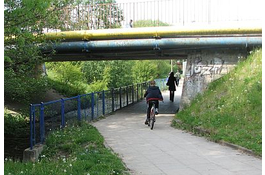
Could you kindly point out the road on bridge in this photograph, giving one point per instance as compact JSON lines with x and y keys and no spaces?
{"x":169,"y":151}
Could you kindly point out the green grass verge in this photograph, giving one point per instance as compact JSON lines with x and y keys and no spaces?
{"x":231,"y":108}
{"x":74,"y":150}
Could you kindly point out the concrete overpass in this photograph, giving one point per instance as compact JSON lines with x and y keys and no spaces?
{"x":147,"y":43}
{"x":210,"y":52}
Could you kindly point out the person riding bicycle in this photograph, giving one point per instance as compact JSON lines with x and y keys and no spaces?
{"x":153,"y":93}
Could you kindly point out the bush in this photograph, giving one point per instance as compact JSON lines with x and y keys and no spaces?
{"x":14,"y":124}
{"x":22,"y":88}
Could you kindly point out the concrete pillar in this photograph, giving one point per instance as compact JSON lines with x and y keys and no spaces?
{"x":206,"y":66}
{"x":32,"y":155}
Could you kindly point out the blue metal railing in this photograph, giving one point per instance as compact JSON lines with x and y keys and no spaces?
{"x":48,"y":116}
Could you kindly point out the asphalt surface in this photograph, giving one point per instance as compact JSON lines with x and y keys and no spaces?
{"x":168,"y":151}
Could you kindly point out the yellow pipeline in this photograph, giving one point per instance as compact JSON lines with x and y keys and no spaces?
{"x":148,"y":32}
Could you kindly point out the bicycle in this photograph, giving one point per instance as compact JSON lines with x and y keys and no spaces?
{"x":152,"y":115}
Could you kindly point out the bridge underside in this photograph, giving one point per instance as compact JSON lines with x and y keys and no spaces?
{"x":136,"y":55}
{"x":146,"y":43}
{"x":148,"y":49}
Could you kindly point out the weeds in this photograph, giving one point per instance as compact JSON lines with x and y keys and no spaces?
{"x":78,"y":149}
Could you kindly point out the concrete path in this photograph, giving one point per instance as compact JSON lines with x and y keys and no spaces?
{"x":169,"y":151}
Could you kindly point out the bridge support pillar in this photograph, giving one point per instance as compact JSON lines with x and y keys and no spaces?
{"x":206,"y":66}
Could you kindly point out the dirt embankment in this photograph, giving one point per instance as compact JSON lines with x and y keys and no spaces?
{"x":15,"y":144}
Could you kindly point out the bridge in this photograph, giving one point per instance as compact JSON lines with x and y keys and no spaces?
{"x":195,"y":33}
{"x":210,"y":51}
{"x":147,"y":43}
{"x":109,"y":31}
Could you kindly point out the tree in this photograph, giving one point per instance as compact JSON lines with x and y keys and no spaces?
{"x":113,"y":73}
{"x":97,"y":14}
{"x":93,"y":70}
{"x":163,"y":67}
{"x":24,"y":22}
{"x":68,"y":73}
{"x":144,"y":71}
{"x":118,"y":73}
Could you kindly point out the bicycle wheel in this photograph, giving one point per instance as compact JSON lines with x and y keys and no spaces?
{"x":152,"y":117}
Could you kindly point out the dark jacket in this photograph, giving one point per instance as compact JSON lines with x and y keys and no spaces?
{"x":153,"y":93}
{"x":172,"y":83}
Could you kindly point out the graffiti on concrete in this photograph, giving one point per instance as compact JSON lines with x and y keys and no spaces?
{"x":210,"y":67}
{"x":206,"y":66}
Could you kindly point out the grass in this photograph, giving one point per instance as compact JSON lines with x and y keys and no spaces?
{"x":78,"y":149}
{"x":231,"y":108}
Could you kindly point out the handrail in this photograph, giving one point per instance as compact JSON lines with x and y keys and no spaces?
{"x":48,"y":116}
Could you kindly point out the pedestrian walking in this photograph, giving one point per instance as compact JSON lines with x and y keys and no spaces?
{"x":172,"y":83}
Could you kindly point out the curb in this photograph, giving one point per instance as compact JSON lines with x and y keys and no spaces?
{"x":239,"y":148}
{"x":204,"y":132}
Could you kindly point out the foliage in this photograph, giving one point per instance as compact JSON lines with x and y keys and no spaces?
{"x":77,"y":149}
{"x":97,"y":14}
{"x":149,"y":23}
{"x":67,"y":90}
{"x":163,"y":67}
{"x":67,"y":73}
{"x":144,"y":71}
{"x":97,"y":86}
{"x":93,"y":70}
{"x":231,"y":108}
{"x":24,"y":21}
{"x":66,"y":78}
{"x":94,"y":76}
{"x":112,"y":73}
{"x":118,"y":73}
{"x":107,"y":11}
{"x":73,"y":78}
{"x":15,"y":124}
{"x":22,"y":88}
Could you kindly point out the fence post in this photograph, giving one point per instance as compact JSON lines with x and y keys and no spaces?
{"x":92,"y":106}
{"x":79,"y":107}
{"x":103,"y":102}
{"x":137,"y":91}
{"x":120,"y":98}
{"x":127,"y":96}
{"x":62,"y":113}
{"x":132,"y":94}
{"x":142,"y":91}
{"x":31,"y":126}
{"x":112,"y":99}
{"x":42,"y":130}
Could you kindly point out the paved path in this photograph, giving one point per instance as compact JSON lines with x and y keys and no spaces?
{"x":169,"y":151}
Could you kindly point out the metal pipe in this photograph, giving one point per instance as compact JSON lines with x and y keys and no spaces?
{"x":149,"y":32}
{"x":151,"y":44}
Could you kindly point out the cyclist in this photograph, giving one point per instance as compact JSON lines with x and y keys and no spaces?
{"x":153,"y":93}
